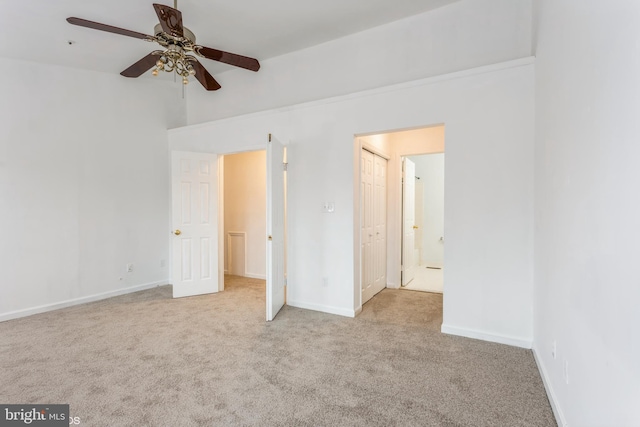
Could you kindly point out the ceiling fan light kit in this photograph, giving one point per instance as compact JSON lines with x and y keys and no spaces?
{"x":179,"y":46}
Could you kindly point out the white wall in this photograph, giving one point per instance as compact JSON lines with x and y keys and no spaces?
{"x":488,"y":113}
{"x":84,"y":184}
{"x":463,"y":35}
{"x":245,"y":207}
{"x":489,"y":190}
{"x":587,"y":209}
{"x":430,"y":169}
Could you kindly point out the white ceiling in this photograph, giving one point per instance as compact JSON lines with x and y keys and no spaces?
{"x":36,"y":30}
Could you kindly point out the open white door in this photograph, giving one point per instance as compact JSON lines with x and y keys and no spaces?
{"x":194,"y":220}
{"x":275,"y":227}
{"x":408,"y":221}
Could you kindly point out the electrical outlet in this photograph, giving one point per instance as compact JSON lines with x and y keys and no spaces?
{"x":566,"y":371}
{"x":129,"y":268}
{"x":554,"y":349}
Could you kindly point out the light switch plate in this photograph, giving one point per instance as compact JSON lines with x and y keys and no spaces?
{"x":328,"y":207}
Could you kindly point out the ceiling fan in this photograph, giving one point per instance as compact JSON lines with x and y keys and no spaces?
{"x":177,"y":42}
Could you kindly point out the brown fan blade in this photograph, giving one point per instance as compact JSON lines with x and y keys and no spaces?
{"x":204,"y":77}
{"x":107,"y":28}
{"x":170,"y":19}
{"x":140,"y":67}
{"x":228,"y":58}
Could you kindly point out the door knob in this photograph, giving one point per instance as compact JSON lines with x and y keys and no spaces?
{"x":177,"y":232}
{"x":415,"y":227}
{"x":269,"y":238}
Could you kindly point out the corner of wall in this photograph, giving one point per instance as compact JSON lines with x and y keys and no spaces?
{"x":480,"y":335}
{"x":553,"y":401}
{"x":324,"y":308}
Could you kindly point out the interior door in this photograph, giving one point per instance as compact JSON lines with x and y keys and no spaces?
{"x":194,"y":258}
{"x":379,"y":223}
{"x":275,"y":227}
{"x":420,"y":223}
{"x":366,"y":224}
{"x":373,"y":223}
{"x":408,"y":220}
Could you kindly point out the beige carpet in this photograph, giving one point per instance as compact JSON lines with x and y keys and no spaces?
{"x":146,"y":359}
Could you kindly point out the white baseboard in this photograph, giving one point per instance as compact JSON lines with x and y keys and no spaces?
{"x":479,"y":335}
{"x":323,"y":308}
{"x":557,"y":411}
{"x":76,"y":301}
{"x":391,"y":285}
{"x":251,"y":275}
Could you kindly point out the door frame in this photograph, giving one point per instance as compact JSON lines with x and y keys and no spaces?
{"x":394,"y":188}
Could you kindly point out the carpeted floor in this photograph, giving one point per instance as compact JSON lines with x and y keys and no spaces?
{"x":145,"y":359}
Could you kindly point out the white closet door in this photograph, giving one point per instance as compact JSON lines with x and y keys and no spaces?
{"x":366,"y":224}
{"x":380,"y":224}
{"x":373,"y":223}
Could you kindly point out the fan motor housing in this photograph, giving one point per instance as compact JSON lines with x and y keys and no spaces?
{"x":187,"y":34}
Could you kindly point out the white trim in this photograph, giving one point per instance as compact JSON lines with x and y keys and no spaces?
{"x":357,"y":228}
{"x":220,"y":230}
{"x":484,"y":336}
{"x":392,"y":285}
{"x":77,"y":301}
{"x":323,"y":308}
{"x":243,"y":235}
{"x":528,"y":60}
{"x":557,"y":411}
{"x":364,"y":145}
{"x":255,"y":276}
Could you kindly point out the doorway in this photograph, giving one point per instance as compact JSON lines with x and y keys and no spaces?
{"x":245,"y":214}
{"x":393,"y":146}
{"x":423,"y":222}
{"x":198,"y":245}
{"x":256,"y":190}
